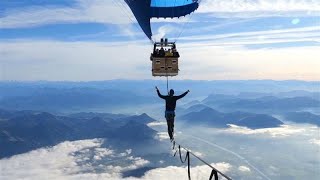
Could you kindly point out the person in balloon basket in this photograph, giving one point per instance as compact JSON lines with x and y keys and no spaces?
{"x":171,"y":101}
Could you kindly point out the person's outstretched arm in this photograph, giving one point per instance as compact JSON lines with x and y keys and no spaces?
{"x":159,"y":94}
{"x":183,"y":95}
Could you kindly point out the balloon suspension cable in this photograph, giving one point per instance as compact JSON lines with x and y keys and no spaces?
{"x":168,"y":84}
{"x":152,"y":41}
{"x":166,"y":66}
{"x":185,"y":24}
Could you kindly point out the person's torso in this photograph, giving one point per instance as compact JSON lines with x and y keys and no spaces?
{"x":171,"y":102}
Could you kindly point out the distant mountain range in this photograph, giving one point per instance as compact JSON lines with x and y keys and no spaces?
{"x":90,"y":115}
{"x":195,"y":108}
{"x":213,"y":118}
{"x":21,"y":131}
{"x":303,"y":117}
{"x":54,"y":99}
{"x":274,"y":103}
{"x":117,"y":94}
{"x":13,"y":88}
{"x":260,"y":103}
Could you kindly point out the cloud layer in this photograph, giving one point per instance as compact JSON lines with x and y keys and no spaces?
{"x":86,"y":159}
{"x":40,"y":59}
{"x":283,"y":131}
{"x":69,"y":160}
{"x":315,"y":141}
{"x":260,"y":8}
{"x":84,"y":11}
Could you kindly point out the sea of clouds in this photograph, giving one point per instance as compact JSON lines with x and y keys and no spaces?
{"x":87,"y":159}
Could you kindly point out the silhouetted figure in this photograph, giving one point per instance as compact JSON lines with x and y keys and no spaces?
{"x":174,"y":46}
{"x":162,"y":52}
{"x":171,"y":102}
{"x":154,"y":48}
{"x":157,"y":51}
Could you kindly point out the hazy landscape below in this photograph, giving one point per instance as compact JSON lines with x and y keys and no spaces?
{"x":116,"y":130}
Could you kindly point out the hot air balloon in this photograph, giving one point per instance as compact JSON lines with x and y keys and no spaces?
{"x":165,"y":55}
{"x":144,"y":10}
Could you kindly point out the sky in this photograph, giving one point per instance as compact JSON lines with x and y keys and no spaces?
{"x":86,"y":40}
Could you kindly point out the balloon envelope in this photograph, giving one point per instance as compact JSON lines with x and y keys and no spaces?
{"x":144,"y":10}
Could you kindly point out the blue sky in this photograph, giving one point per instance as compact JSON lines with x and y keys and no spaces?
{"x":83,"y":40}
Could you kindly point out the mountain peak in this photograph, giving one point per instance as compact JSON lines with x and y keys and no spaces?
{"x":135,"y":130}
{"x":209,"y":110}
{"x":142,"y":118}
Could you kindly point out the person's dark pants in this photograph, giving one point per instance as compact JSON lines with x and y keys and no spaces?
{"x":170,"y":122}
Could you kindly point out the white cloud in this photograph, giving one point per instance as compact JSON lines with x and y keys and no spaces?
{"x":137,"y":162}
{"x":69,"y":160}
{"x":283,"y":131}
{"x":96,"y":11}
{"x":237,"y":62}
{"x":244,"y":169}
{"x":315,"y":141}
{"x":199,"y":154}
{"x":260,"y":8}
{"x":157,"y":123}
{"x":57,"y":60}
{"x":162,"y":136}
{"x":102,"y":152}
{"x":31,"y":60}
{"x":311,"y":33}
{"x":197,"y":172}
{"x":163,"y":31}
{"x":74,"y":160}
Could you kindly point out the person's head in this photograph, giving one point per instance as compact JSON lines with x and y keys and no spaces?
{"x":171,"y":93}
